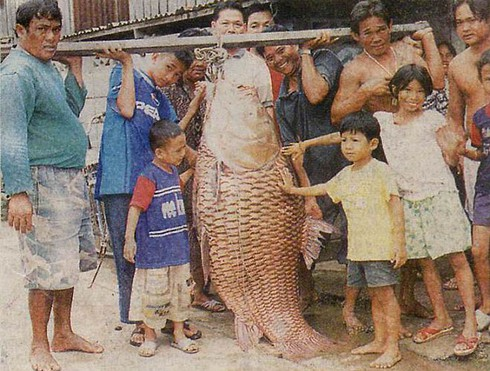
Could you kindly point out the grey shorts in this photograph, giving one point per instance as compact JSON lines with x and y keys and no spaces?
{"x":61,"y":242}
{"x":481,"y":210}
{"x":371,"y":274}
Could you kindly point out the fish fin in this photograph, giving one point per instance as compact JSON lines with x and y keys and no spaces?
{"x":312,"y":245}
{"x":248,"y":336}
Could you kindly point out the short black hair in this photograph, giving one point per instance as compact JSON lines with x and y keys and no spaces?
{"x":233,"y":5}
{"x":185,"y":57}
{"x":479,"y":8}
{"x":448,"y":45}
{"x":361,"y":122}
{"x":271,"y":28}
{"x":257,"y":8}
{"x":161,"y":132}
{"x":195,"y":31}
{"x":31,"y":9}
{"x":483,"y":61}
{"x":406,"y":74}
{"x":366,"y":9}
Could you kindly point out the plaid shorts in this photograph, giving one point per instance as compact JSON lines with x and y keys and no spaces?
{"x":61,"y":242}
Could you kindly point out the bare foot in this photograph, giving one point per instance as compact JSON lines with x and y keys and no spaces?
{"x":386,"y":360}
{"x":73,"y":342}
{"x":404,"y":333}
{"x":370,"y":348}
{"x":42,"y":360}
{"x":353,"y":325}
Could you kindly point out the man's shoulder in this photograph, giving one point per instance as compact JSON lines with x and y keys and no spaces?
{"x":462,"y":59}
{"x":17,"y":63}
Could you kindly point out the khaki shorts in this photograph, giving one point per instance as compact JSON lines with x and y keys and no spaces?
{"x":161,"y":294}
{"x":61,"y":243}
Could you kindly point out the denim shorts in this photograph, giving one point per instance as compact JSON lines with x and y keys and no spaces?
{"x":371,"y":274}
{"x":481,"y":211}
{"x":61,"y":242}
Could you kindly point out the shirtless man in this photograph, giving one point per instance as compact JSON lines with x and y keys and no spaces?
{"x":364,"y":81}
{"x":466,"y":96}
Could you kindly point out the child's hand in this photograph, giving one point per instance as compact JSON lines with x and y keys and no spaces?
{"x":200,"y":92}
{"x":294,"y":150}
{"x":130,"y":250}
{"x":287,"y":178}
{"x":400,"y":257}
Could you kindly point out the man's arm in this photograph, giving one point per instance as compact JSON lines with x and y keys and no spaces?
{"x":76,"y":93}
{"x":432,"y":56}
{"x":315,"y":86}
{"x":456,"y":107}
{"x":352,"y":96}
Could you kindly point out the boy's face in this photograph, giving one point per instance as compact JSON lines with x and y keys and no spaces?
{"x":165,"y":69}
{"x":173,"y":152}
{"x":485,"y":78}
{"x":230,"y":21}
{"x":282,"y":58}
{"x":374,"y":35}
{"x":446,"y":56}
{"x":41,"y":38}
{"x":411,"y":97}
{"x":356,"y":147}
{"x":470,"y":29}
{"x":258,"y":21}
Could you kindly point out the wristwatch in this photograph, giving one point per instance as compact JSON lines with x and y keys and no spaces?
{"x":304,"y":51}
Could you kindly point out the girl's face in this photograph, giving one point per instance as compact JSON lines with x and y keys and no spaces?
{"x":485,"y":78}
{"x":411,"y":97}
{"x":446,"y":56}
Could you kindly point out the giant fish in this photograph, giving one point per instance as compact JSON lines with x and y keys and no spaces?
{"x":253,"y":232}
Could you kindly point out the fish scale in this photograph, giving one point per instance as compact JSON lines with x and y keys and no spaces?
{"x":255,"y":233}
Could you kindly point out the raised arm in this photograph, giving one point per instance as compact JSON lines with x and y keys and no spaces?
{"x":432,"y":56}
{"x":126,"y":99}
{"x":194,"y":105}
{"x":297,"y":149}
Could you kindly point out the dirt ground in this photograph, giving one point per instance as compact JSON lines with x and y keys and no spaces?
{"x":95,"y":317}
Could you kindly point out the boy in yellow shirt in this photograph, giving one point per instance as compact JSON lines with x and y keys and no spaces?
{"x":376,"y":233}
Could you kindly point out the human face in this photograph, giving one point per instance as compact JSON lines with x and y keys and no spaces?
{"x":283,"y":58}
{"x":469,"y":28}
{"x":446,"y":56}
{"x":411,"y":98}
{"x":485,"y":78}
{"x":165,"y":69}
{"x":357,"y":148}
{"x":374,"y":35}
{"x":230,"y":21}
{"x":41,"y":38}
{"x":172,"y":153}
{"x":258,"y":21}
{"x":196,"y":71}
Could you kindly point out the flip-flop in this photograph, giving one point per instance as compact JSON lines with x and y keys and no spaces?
{"x":428,"y":333}
{"x":211,"y":305}
{"x":137,"y":331}
{"x":186,"y":345}
{"x":482,"y":320}
{"x":187,"y":327}
{"x":465,"y":346}
{"x":148,"y":348}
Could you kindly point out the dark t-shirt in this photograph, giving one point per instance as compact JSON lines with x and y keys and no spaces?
{"x":481,"y":120}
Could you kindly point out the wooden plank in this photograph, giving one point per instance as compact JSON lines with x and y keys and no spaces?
{"x":173,"y":43}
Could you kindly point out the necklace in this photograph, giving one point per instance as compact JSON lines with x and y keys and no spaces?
{"x":380,"y":65}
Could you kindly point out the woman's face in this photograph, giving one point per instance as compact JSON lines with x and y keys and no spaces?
{"x":446,"y":56}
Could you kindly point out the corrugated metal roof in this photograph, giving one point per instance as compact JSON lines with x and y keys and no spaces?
{"x":180,"y":14}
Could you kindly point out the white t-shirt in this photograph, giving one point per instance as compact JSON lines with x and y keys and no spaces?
{"x":413,"y":153}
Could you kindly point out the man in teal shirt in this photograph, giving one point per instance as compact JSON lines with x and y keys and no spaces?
{"x":42,"y":155}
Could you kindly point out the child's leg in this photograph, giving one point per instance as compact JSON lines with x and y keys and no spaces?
{"x":408,"y":304}
{"x":389,"y":315}
{"x":464,"y":277}
{"x":480,"y":250}
{"x":380,"y":330}
{"x":433,"y":285}
{"x":149,"y":346}
{"x":352,"y":323}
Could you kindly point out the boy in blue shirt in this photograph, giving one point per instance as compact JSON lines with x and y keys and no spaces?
{"x":157,"y":240}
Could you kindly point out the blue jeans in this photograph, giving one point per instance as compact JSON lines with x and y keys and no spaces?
{"x":116,"y":211}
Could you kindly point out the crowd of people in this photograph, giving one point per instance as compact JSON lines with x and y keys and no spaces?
{"x":392,"y":144}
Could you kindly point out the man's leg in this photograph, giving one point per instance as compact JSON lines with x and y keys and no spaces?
{"x":40,"y":303}
{"x":64,"y":339}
